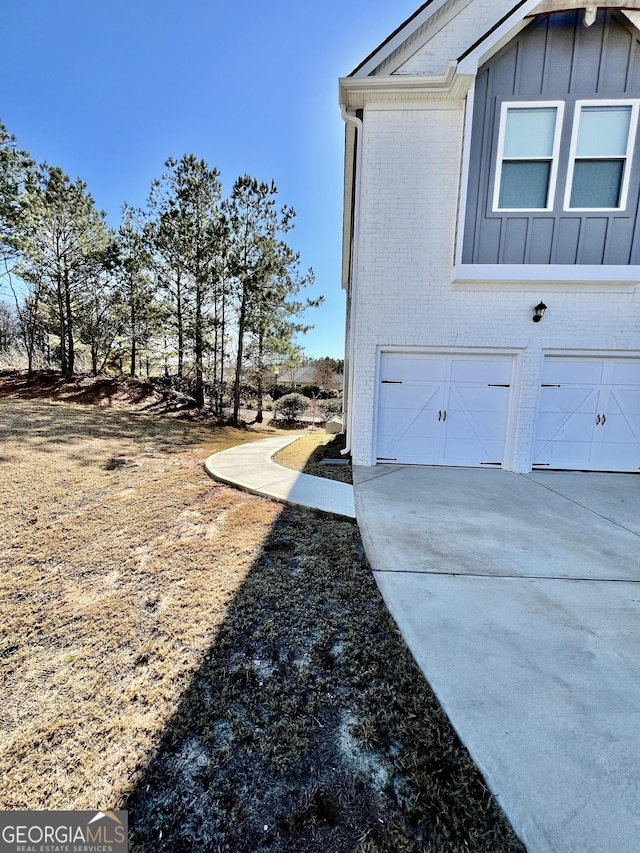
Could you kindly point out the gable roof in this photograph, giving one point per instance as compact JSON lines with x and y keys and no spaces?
{"x":435,"y":54}
{"x":424,"y":25}
{"x":395,"y":36}
{"x":420,"y":28}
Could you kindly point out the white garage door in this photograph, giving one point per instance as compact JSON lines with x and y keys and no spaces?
{"x":443,"y":409}
{"x":589,"y":415}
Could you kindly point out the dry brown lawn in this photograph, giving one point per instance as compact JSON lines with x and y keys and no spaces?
{"x":118,"y":559}
{"x":221,"y":666}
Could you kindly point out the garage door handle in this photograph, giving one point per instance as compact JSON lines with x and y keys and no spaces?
{"x":440,"y":414}
{"x":597,"y":420}
{"x":604,"y":420}
{"x":444,"y":416}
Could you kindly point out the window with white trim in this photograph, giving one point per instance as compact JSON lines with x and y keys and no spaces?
{"x":528,"y":144}
{"x":600,"y":160}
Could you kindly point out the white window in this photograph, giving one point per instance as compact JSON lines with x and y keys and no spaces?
{"x":528,"y":143}
{"x":600,"y":159}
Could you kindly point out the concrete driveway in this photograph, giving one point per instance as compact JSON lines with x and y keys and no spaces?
{"x":519,"y":596}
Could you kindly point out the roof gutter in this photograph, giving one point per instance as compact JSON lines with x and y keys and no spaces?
{"x":356,"y":92}
{"x":353,"y":272}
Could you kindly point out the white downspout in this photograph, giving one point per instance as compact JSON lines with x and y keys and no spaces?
{"x":353,"y":269}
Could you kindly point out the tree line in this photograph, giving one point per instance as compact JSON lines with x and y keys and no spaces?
{"x":203,"y":285}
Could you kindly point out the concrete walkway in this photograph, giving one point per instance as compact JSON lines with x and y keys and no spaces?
{"x":250,"y":467}
{"x":519,"y":597}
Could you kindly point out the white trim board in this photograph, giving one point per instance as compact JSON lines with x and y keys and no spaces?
{"x":607,"y":275}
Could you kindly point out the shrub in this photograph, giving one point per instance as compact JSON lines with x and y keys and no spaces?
{"x":279,"y":391}
{"x":291,"y":406}
{"x":309,"y":390}
{"x":330,"y":407}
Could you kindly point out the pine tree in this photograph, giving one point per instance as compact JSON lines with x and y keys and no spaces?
{"x":65,"y":245}
{"x":265,"y":271}
{"x":138,"y":307}
{"x":188,"y":232}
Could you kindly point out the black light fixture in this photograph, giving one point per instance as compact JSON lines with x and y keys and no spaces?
{"x":538,"y":312}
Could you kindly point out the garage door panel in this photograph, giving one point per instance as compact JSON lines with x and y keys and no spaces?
{"x":568,"y":400}
{"x":617,"y":456}
{"x":409,"y":369}
{"x":408,"y":419}
{"x":627,"y":400}
{"x":478,"y":415}
{"x":459,"y":426}
{"x":488,"y":426}
{"x":396,"y":437}
{"x":620,"y":434}
{"x":625,"y":372}
{"x":595,"y":428}
{"x":413,"y":450}
{"x":572,"y":371}
{"x":619,"y":429}
{"x":478,"y":399}
{"x":549,"y":425}
{"x":562,"y":454}
{"x":460,"y":451}
{"x":480,"y":370}
{"x":451,"y":422}
{"x":562,"y":426}
{"x":482,"y":425}
{"x":413,"y":424}
{"x":408,"y":422}
{"x":409,"y":397}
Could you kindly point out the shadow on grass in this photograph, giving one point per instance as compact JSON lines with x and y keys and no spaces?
{"x":309,"y":727}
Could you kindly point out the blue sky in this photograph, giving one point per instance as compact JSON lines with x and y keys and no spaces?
{"x":108,"y":89}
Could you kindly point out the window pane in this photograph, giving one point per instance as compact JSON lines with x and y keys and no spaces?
{"x":596,"y":183}
{"x":529,"y":132}
{"x":524,"y":185}
{"x":604,"y":131}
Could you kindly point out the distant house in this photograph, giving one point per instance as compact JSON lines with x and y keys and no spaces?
{"x":491,"y":238}
{"x":298,"y":377}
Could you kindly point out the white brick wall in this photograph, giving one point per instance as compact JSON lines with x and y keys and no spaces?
{"x":409,"y":190}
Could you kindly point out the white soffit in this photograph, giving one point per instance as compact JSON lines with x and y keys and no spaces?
{"x":355,"y":92}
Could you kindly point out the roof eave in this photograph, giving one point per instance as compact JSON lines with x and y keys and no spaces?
{"x":397,"y":38}
{"x":356,"y":92}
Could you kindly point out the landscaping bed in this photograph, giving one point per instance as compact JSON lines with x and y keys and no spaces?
{"x":308,"y":453}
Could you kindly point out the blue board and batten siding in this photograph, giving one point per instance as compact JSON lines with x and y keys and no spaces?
{"x":555,"y":58}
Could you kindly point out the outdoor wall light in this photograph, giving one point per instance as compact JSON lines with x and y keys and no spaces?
{"x":538,"y":312}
